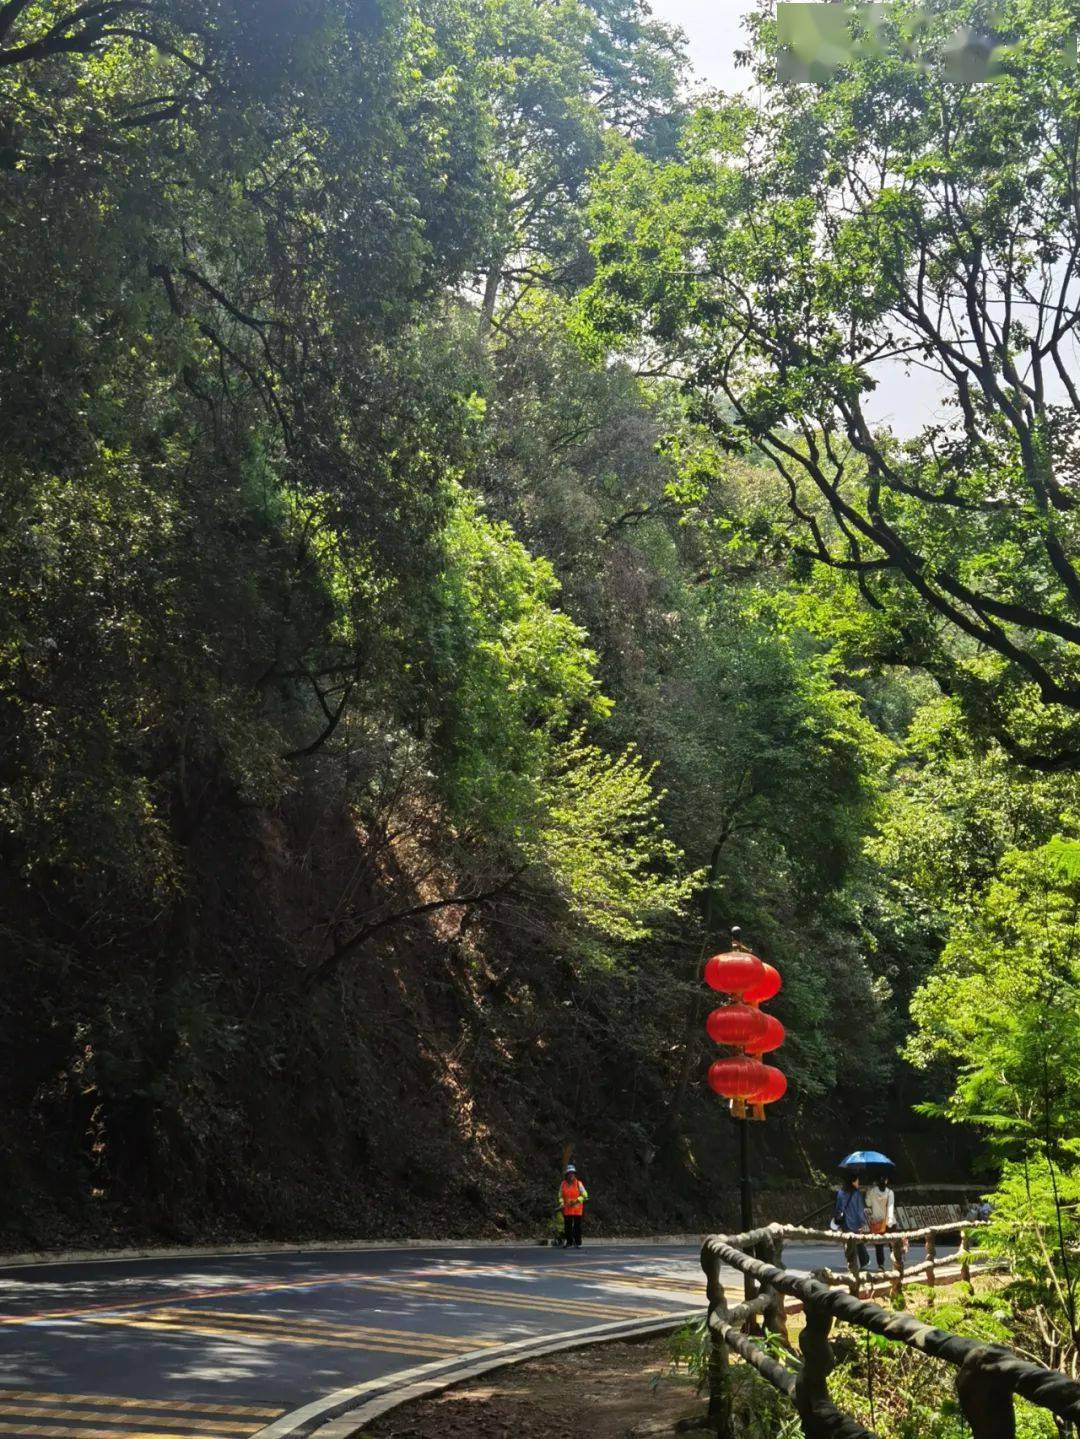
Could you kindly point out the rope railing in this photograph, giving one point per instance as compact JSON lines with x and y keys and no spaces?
{"x":988,"y":1375}
{"x":953,"y":1226}
{"x":895,"y":1240}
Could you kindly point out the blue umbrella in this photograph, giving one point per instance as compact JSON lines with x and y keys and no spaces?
{"x":860,"y":1158}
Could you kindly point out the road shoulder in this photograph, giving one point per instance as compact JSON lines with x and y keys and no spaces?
{"x":347,"y":1412}
{"x":620,"y":1391}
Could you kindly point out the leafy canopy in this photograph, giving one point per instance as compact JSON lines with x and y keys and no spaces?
{"x":790,"y":253}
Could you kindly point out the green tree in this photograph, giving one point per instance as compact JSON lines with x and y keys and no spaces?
{"x":564,"y":75}
{"x":770,"y":769}
{"x":789,"y":251}
{"x":1003,"y":1008}
{"x":344,"y":638}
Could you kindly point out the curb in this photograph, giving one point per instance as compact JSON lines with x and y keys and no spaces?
{"x":44,"y":1257}
{"x":345,"y":1413}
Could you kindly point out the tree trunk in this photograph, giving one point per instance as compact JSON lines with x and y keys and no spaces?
{"x":491,"y":294}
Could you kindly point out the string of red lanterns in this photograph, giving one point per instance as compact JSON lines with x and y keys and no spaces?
{"x":742,"y":1025}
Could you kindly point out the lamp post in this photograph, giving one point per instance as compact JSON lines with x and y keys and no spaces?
{"x":742,"y":1079}
{"x":746,"y":1191}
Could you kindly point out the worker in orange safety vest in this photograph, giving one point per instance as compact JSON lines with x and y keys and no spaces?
{"x":572,"y":1197}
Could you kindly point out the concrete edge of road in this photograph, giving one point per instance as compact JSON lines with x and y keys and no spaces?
{"x":346,"y":1412}
{"x":45,"y":1257}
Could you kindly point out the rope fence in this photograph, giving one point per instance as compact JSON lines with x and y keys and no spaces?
{"x":988,"y":1375}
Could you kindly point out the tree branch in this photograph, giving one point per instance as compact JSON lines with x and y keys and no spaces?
{"x":333,"y":962}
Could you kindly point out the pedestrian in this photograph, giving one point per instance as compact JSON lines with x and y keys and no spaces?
{"x":572,"y":1197}
{"x":849,"y":1214}
{"x":880,"y":1212}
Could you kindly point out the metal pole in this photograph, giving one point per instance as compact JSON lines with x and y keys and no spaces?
{"x":744,"y":1175}
{"x":746,"y":1197}
{"x":746,"y":1192}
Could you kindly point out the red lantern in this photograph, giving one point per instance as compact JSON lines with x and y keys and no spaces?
{"x":736,"y":1024}
{"x":767,"y":987}
{"x":733,"y":972}
{"x":737,"y":1078}
{"x":773,"y":1088}
{"x":771,"y":1037}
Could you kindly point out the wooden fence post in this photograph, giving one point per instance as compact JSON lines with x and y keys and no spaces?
{"x":898,"y":1273}
{"x":931,"y":1255}
{"x":986,"y":1396}
{"x":851,"y":1251}
{"x":774,"y":1318}
{"x":751,"y":1289}
{"x":964,"y":1256}
{"x":812,"y":1386}
{"x":721,"y":1420}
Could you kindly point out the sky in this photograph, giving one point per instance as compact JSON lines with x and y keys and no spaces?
{"x":714,"y":32}
{"x":904,"y":399}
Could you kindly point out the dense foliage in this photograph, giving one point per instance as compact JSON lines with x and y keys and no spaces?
{"x":794,"y":254}
{"x":408,"y":667}
{"x":1003,"y":1004}
{"x":791,"y":257}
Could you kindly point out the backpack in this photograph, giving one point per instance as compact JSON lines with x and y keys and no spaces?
{"x":840,"y":1211}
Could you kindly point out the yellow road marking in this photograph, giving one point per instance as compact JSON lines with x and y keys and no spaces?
{"x":207,"y":1331}
{"x":299,"y":1324}
{"x":315,"y":1329}
{"x":579,"y":1308}
{"x":270,"y":1287}
{"x":555,"y":1300}
{"x":363,"y":1281}
{"x":117,"y":1402}
{"x":509,"y":1297}
{"x":573,"y":1268}
{"x":425,"y":1289}
{"x":56,"y":1411}
{"x":50,"y":1431}
{"x":274,"y":1286}
{"x":644,"y":1281}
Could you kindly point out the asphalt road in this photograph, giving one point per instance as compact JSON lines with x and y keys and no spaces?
{"x":222,"y":1348}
